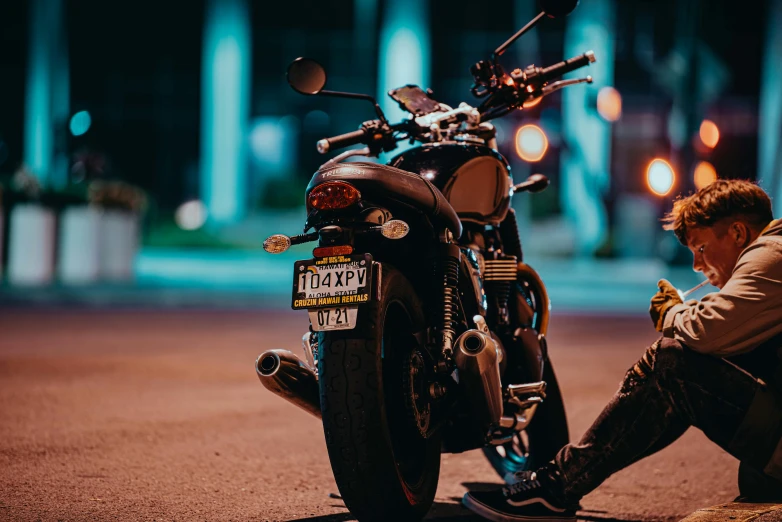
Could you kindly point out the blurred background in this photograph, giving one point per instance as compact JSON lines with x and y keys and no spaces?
{"x":148,"y":148}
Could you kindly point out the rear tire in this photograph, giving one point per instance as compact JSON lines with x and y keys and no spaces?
{"x":384,"y":468}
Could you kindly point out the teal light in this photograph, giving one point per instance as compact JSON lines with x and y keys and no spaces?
{"x":586,"y":168}
{"x":224,"y":110}
{"x":770,"y":110}
{"x":80,"y":123}
{"x":47,"y":85}
{"x":404,"y":51}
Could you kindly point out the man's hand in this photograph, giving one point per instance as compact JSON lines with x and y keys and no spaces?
{"x":666,"y":297}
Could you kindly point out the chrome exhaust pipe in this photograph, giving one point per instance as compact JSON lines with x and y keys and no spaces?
{"x":477,"y":359}
{"x":289,"y":377}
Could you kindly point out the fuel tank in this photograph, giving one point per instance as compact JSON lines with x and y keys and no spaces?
{"x":475,"y":179}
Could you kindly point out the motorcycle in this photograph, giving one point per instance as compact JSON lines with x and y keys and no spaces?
{"x":427,"y":329}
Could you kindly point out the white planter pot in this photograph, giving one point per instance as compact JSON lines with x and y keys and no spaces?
{"x":78,"y":259}
{"x":31,"y":239}
{"x":118,"y":245}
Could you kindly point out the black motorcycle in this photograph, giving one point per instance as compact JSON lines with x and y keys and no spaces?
{"x":427,"y":328}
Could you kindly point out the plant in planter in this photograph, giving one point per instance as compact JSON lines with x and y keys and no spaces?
{"x":31,"y":230}
{"x":122,"y":205}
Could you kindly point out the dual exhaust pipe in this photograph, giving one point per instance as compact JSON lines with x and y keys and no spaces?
{"x":477,"y":357}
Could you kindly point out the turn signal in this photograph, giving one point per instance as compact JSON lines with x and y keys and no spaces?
{"x":277,"y":244}
{"x":333,"y":195}
{"x":395,"y":229}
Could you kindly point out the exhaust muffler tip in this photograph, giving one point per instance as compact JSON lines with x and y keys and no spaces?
{"x":473,"y":343}
{"x":267,"y":364}
{"x":286,"y":375}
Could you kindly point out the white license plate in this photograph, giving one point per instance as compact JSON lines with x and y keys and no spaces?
{"x":336,"y":281}
{"x":338,"y":318}
{"x":339,"y":279}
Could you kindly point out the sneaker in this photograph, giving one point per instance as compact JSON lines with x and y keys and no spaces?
{"x":533,"y":497}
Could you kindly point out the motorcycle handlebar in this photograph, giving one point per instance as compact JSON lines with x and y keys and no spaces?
{"x":557,"y":70}
{"x":341,"y":141}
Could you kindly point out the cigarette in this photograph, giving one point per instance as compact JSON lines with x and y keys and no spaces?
{"x":691,"y":290}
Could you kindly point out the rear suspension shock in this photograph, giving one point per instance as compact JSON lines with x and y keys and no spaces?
{"x":450,"y":259}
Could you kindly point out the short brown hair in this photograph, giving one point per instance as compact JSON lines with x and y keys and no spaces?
{"x":722,"y":199}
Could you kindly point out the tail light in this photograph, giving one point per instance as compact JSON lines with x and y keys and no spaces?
{"x":333,"y":195}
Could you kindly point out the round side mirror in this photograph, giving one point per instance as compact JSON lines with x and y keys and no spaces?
{"x":306,"y":76}
{"x":537,"y":182}
{"x":558,"y":8}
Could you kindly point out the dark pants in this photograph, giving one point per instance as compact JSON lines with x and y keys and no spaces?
{"x":670,"y":389}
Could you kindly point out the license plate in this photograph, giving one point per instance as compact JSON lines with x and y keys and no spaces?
{"x":339,"y":318}
{"x":332,"y":281}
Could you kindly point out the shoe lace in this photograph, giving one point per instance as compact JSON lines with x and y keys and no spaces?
{"x":527,"y":480}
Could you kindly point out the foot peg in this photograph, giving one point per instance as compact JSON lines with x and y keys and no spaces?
{"x":525,"y":398}
{"x":525,"y":395}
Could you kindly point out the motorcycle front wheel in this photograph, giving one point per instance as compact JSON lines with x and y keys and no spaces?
{"x":546,"y":434}
{"x":384,"y":468}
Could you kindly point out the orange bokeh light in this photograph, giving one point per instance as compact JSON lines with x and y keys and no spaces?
{"x":709,"y":133}
{"x":609,"y":104}
{"x":531,"y":143}
{"x":704,"y":175}
{"x":660,"y":176}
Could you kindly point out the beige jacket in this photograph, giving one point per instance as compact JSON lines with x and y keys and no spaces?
{"x":746,"y":312}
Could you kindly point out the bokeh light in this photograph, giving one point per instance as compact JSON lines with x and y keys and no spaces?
{"x":80,"y":123}
{"x":609,"y":104}
{"x":704,"y":175}
{"x":531,"y":143}
{"x":709,"y":133}
{"x":191,"y":215}
{"x":660,"y":176}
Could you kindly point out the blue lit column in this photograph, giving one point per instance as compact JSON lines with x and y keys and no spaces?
{"x":364,"y":36}
{"x":525,"y":52}
{"x":404,"y":51}
{"x":48,"y":94}
{"x":585,"y":166}
{"x":225,"y":102}
{"x":770,"y":110}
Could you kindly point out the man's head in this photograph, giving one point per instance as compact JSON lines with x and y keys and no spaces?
{"x":717,"y":223}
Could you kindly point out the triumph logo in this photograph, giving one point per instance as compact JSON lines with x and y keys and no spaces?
{"x":344,"y":171}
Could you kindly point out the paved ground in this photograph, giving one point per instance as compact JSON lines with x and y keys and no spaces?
{"x":159,"y":416}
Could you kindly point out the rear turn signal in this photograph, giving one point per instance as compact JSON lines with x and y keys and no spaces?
{"x":333,"y":195}
{"x":277,"y":244}
{"x":395,"y":229}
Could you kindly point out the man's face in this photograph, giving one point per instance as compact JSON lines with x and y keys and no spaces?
{"x":715,"y":251}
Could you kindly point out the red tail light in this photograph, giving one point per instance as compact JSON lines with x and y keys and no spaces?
{"x":341,"y":250}
{"x":333,"y":195}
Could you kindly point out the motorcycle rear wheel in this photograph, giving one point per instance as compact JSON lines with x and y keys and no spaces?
{"x":384,"y":468}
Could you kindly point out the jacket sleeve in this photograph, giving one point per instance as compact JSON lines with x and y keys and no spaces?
{"x":744,"y":313}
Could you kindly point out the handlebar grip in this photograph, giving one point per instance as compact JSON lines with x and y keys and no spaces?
{"x":565,"y":67}
{"x":343,"y":140}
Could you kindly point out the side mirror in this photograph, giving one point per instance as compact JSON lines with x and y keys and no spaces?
{"x":534,"y":183}
{"x":306,"y":76}
{"x":558,"y":8}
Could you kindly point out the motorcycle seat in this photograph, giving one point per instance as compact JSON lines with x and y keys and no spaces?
{"x":374,"y":179}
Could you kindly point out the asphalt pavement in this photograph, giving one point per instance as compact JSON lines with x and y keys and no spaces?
{"x":158,"y":415}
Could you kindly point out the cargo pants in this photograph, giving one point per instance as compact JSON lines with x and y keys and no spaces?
{"x":670,"y":389}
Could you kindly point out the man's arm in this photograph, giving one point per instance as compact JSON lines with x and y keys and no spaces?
{"x":744,"y":313}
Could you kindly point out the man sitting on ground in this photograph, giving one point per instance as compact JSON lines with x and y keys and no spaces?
{"x":716,"y":367}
